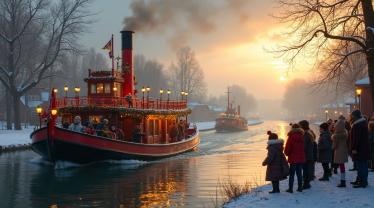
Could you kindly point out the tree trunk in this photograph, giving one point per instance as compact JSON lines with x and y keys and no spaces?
{"x":16,"y":112}
{"x":8,"y":110}
{"x":367,"y":8}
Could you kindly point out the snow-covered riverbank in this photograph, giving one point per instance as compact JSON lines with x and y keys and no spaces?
{"x":12,"y":139}
{"x":322,"y":194}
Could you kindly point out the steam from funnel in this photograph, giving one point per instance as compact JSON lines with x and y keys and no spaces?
{"x":179,"y":19}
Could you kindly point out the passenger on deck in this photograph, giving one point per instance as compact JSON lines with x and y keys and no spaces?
{"x":120,"y":134}
{"x":173,"y":132}
{"x":181,"y":130}
{"x":65,"y":125}
{"x":76,"y":125}
{"x":137,"y":134}
{"x":112,"y":133}
{"x":89,"y":129}
{"x":101,"y":127}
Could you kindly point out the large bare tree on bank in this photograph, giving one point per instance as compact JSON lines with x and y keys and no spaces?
{"x":327,"y":30}
{"x":187,"y":75}
{"x":33,"y":34}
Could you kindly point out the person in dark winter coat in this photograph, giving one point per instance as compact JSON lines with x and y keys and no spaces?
{"x":296,"y":157}
{"x":371,"y":144}
{"x":339,"y":145}
{"x":309,"y":138}
{"x":359,"y":148}
{"x":277,"y":166}
{"x":325,"y":150}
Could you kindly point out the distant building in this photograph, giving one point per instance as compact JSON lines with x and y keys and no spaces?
{"x":366,"y":105}
{"x":33,"y":98}
{"x":204,"y":112}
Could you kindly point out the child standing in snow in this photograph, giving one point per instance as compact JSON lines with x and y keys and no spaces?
{"x":277,"y":166}
{"x":296,"y":157}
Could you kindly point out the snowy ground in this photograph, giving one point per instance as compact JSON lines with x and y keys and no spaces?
{"x":322,"y":194}
{"x":15,"y":138}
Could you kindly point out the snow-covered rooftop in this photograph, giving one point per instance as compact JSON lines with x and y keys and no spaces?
{"x":364,"y":81}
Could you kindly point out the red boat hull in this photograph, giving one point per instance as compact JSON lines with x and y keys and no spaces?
{"x":76,"y":147}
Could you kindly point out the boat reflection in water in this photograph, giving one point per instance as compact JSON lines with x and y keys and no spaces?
{"x":150,"y":185}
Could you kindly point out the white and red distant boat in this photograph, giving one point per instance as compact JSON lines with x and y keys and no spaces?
{"x":111,"y":95}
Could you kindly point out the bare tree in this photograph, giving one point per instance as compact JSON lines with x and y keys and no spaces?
{"x":327,"y":30}
{"x":150,"y":73}
{"x":186,"y":74}
{"x":33,"y":34}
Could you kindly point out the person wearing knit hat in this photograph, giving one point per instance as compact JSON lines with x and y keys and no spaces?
{"x":325,"y":150}
{"x":308,"y":166}
{"x":296,"y":157}
{"x":277,"y":166}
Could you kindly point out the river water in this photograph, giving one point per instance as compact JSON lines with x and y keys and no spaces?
{"x":188,"y":180}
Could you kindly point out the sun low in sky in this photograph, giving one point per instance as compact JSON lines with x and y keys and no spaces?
{"x":231,"y":46}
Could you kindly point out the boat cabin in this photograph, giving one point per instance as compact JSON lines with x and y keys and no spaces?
{"x":112,"y":95}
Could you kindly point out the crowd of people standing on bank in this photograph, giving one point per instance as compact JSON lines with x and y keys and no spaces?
{"x":337,"y":141}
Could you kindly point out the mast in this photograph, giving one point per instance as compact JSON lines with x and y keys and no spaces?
{"x":228,"y":98}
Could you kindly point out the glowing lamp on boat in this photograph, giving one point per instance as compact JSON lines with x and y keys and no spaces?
{"x":115,"y":89}
{"x":54,"y":112}
{"x":66,"y":88}
{"x":77,"y":90}
{"x":55,"y":90}
{"x":39,"y":110}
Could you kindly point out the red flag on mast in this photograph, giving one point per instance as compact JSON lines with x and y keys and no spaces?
{"x":109,"y":46}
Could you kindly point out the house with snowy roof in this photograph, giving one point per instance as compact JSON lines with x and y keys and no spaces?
{"x":364,"y":96}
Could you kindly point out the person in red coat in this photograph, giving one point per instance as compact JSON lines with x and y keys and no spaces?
{"x":296,"y":157}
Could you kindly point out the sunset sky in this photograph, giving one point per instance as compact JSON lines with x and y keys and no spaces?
{"x":229,"y":37}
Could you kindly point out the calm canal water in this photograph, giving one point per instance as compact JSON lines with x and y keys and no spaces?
{"x":187,"y":180}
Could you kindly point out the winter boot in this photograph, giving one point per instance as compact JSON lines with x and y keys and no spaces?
{"x":300,"y":187}
{"x":289,"y":191}
{"x":342,"y":184}
{"x":356,"y":182}
{"x":306,"y":185}
{"x":361,"y":184}
{"x":275,"y":187}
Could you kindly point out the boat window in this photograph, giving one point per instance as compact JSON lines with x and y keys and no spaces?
{"x":118,"y":87}
{"x":93,"y":88}
{"x":100,"y":88}
{"x":107,"y":88}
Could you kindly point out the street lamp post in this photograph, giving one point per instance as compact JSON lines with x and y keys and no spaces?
{"x":143,"y":91}
{"x":326,"y":112}
{"x":39,"y":111}
{"x":148,"y":89}
{"x":66,"y":89}
{"x":77,"y":90}
{"x":358,"y":92}
{"x":161,"y":93}
{"x":168,"y":92}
